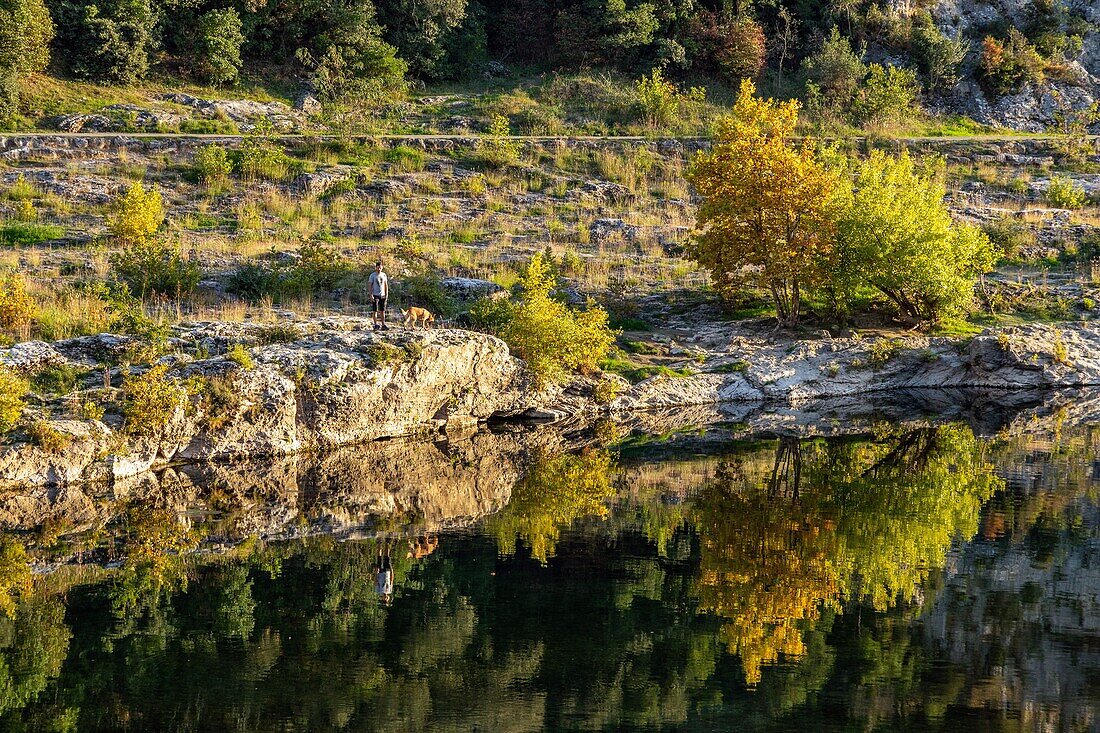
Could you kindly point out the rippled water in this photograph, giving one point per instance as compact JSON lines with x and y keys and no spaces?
{"x":908,"y":579}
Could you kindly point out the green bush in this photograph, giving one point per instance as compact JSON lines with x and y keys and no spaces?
{"x":278,"y":333}
{"x":545,"y":333}
{"x":107,"y":41}
{"x":318,"y":269}
{"x":424,"y":289}
{"x":259,"y":158}
{"x":1065,"y":194}
{"x":150,"y":400}
{"x":1006,"y":65}
{"x":153,"y":267}
{"x":497,"y":148}
{"x":1010,"y":236}
{"x":939,"y":56}
{"x":212,"y":163}
{"x":60,"y":380}
{"x":217,"y":400}
{"x":888,"y":95}
{"x":13,"y":392}
{"x":833,"y":75}
{"x":47,"y":437}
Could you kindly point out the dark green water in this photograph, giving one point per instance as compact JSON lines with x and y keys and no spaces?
{"x":909,"y":580}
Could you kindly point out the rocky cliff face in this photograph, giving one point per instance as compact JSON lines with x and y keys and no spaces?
{"x":316,"y":385}
{"x":331,"y":382}
{"x":1032,"y":108}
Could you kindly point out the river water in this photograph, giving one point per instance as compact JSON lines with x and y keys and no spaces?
{"x":907,"y":578}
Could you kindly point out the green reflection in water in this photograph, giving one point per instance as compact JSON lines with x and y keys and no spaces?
{"x":779,"y":586}
{"x":825,"y":522}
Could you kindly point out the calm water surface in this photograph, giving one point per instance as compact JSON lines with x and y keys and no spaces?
{"x":921,"y":579}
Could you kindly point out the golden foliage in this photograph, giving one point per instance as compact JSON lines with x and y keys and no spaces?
{"x":765,"y":217}
{"x":137,"y":216}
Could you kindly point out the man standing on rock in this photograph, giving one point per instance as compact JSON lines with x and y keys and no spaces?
{"x":379,"y":293}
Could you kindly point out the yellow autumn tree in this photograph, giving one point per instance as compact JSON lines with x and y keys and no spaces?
{"x":765,"y":219}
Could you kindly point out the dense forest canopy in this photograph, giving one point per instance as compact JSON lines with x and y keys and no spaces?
{"x":362,"y":47}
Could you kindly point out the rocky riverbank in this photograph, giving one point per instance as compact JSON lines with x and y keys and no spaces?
{"x":312,"y":386}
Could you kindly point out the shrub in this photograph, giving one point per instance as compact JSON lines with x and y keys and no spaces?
{"x":1064,"y":193}
{"x":881,"y":352}
{"x":742,"y":52}
{"x":150,"y":400}
{"x":497,"y":148}
{"x":107,"y":41}
{"x":1010,"y":236}
{"x":835,"y":72}
{"x":606,"y":391}
{"x":13,"y":391}
{"x":137,"y":215}
{"x":47,"y":437}
{"x":219,"y":46}
{"x":151,"y":267}
{"x":59,"y":379}
{"x":16,"y":305}
{"x":212,"y":163}
{"x":658,"y":98}
{"x":939,"y":56}
{"x":1005,"y":66}
{"x":259,"y":158}
{"x":217,"y":400}
{"x":318,"y":268}
{"x":239,"y":355}
{"x":889,"y":95}
{"x":278,"y":333}
{"x":1059,"y":354}
{"x":381,"y":354}
{"x":424,"y":289}
{"x":550,"y":337}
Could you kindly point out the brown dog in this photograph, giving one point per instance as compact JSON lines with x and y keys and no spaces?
{"x":418,"y":316}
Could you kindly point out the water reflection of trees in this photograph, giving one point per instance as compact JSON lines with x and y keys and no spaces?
{"x":592,"y":628}
{"x":829,"y":522}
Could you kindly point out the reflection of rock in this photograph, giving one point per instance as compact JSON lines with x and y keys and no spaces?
{"x":420,"y":485}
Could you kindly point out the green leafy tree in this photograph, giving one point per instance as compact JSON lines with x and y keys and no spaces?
{"x":220,"y":40}
{"x":419,"y":30}
{"x":106,"y":41}
{"x":833,"y":74}
{"x":26,"y":30}
{"x":898,"y":236}
{"x":889,"y":94}
{"x":938,"y":55}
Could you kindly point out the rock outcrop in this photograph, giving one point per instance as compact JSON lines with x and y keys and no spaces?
{"x":312,"y":386}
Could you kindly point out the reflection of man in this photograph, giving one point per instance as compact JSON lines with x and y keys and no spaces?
{"x":383,"y":580}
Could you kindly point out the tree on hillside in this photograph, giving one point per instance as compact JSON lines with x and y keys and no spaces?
{"x":898,"y":237}
{"x":765,"y":218}
{"x":220,"y":41}
{"x":107,"y":41}
{"x":25,"y":34}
